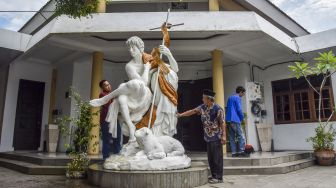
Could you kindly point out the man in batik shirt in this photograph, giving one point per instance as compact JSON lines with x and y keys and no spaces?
{"x":212,"y":116}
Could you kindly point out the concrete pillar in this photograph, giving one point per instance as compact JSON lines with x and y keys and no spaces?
{"x":213,"y":5}
{"x":96,"y":77}
{"x":217,"y":73}
{"x":101,"y":8}
{"x":52,"y":94}
{"x":218,"y":79}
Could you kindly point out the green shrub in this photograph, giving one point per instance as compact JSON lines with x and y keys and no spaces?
{"x":76,"y":8}
{"x":80,"y":136}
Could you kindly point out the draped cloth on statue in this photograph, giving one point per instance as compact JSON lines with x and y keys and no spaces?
{"x":145,"y":119}
{"x":166,"y":96}
{"x":138,"y":103}
{"x":167,"y":89}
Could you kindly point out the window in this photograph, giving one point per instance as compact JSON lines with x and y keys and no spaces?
{"x":295,"y":102}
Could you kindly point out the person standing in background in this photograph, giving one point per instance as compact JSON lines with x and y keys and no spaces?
{"x":234,"y":117}
{"x":104,"y":126}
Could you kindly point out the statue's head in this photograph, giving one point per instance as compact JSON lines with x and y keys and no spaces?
{"x":135,"y":46}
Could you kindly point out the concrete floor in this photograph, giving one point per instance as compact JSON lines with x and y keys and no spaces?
{"x":196,"y":155}
{"x":312,"y":177}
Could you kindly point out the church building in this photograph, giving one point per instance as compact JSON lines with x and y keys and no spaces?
{"x":218,"y":44}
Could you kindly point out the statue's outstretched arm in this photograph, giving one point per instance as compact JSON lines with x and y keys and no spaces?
{"x":173,"y":64}
{"x":101,"y":101}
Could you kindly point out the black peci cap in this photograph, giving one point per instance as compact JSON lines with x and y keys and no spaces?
{"x":209,"y":93}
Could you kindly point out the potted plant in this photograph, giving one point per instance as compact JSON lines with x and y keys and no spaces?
{"x":80,"y":136}
{"x":323,"y":141}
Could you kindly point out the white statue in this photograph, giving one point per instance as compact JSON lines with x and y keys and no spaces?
{"x":158,"y":147}
{"x":155,"y":149}
{"x":133,"y":98}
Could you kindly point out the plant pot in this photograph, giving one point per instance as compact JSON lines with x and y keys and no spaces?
{"x":52,"y":138}
{"x":325,"y":157}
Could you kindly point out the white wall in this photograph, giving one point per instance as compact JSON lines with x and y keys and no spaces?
{"x":63,"y":83}
{"x":28,"y":71}
{"x":285,"y":136}
{"x":3,"y":86}
{"x":115,"y":74}
{"x":234,"y":76}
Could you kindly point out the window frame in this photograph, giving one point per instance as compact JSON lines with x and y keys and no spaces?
{"x":311,"y":102}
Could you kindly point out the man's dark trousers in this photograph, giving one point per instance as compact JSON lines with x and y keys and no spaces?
{"x":107,"y":138}
{"x":215,"y":158}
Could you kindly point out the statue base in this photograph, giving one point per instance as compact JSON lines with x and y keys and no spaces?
{"x":184,"y":178}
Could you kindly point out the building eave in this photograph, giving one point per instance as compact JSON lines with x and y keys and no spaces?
{"x":12,"y":44}
{"x":317,"y":41}
{"x":46,"y":15}
{"x":269,"y":11}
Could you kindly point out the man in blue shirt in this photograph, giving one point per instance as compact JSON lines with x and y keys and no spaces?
{"x":234,"y":117}
{"x":212,"y":116}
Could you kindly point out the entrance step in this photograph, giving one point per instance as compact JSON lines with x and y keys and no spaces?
{"x":36,"y":163}
{"x":258,"y":160}
{"x":32,"y":169}
{"x":267,"y":170}
{"x":43,"y":159}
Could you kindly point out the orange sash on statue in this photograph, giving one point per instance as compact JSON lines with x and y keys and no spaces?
{"x":166,"y":88}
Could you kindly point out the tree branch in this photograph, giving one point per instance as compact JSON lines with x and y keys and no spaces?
{"x":331,"y":74}
{"x":329,"y":118}
{"x":320,"y":97}
{"x":311,"y":85}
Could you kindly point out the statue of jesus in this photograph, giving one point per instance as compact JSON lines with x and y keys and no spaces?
{"x":133,"y":98}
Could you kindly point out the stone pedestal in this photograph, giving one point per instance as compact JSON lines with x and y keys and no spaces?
{"x":185,"y":178}
{"x":265,"y":136}
{"x":52,"y":137}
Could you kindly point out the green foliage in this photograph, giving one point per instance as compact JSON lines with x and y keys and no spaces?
{"x":76,"y":8}
{"x":79,"y":163}
{"x":323,"y":139}
{"x":81,"y":134}
{"x":325,"y":65}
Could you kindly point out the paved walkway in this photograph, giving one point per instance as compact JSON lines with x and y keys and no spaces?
{"x":313,"y":177}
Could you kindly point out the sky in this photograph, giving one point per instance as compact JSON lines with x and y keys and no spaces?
{"x":313,"y":15}
{"x":14,"y":21}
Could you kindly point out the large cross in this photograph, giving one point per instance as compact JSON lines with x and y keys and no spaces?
{"x":168,"y":25}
